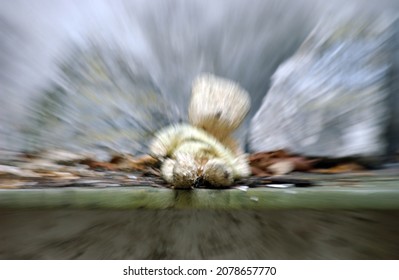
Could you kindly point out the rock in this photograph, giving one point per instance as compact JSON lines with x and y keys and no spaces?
{"x":143,"y":51}
{"x":393,"y":127}
{"x":331,"y":97}
{"x":105,"y":102}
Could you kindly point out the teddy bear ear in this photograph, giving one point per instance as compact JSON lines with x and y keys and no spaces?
{"x":217,"y":105}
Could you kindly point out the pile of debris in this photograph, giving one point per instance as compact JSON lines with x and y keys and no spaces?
{"x":58,"y":168}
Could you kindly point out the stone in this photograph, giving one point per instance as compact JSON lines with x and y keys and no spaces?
{"x":143,"y":51}
{"x":331,"y":98}
{"x":104,"y":101}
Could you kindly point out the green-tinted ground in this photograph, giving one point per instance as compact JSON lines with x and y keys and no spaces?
{"x":367,"y":190}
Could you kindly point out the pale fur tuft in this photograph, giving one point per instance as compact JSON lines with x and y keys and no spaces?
{"x":204,"y":148}
{"x":186,"y":150}
{"x":218,"y":105}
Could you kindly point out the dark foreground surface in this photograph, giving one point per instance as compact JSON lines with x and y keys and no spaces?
{"x":199,"y":234}
{"x":352,"y":216}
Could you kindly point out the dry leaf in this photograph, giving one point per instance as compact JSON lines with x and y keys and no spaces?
{"x":281,"y":162}
{"x":278,"y":162}
{"x":140,"y":163}
{"x":12,"y":170}
{"x":340,"y":168}
{"x":282,"y":167}
{"x":94,"y":164}
{"x":15,"y":184}
{"x":259,"y":172}
{"x":61,"y":175}
{"x":123,"y":162}
{"x":303,"y":164}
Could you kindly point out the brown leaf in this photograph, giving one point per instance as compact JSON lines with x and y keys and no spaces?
{"x":14,"y":184}
{"x":259,"y":172}
{"x":94,"y":164}
{"x":117,"y":159}
{"x":123,"y":162}
{"x":142,"y":162}
{"x":129,"y":163}
{"x":340,"y":168}
{"x":282,"y":167}
{"x":303,"y":164}
{"x":278,"y":162}
{"x":60,"y":175}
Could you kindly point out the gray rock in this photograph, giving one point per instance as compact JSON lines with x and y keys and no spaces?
{"x":331,"y":98}
{"x":104,"y":101}
{"x":231,"y":39}
{"x":244,"y":42}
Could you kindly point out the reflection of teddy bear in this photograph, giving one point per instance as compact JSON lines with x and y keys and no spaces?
{"x":204,"y":149}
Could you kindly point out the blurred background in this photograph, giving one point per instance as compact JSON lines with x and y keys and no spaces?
{"x":104,"y":75}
